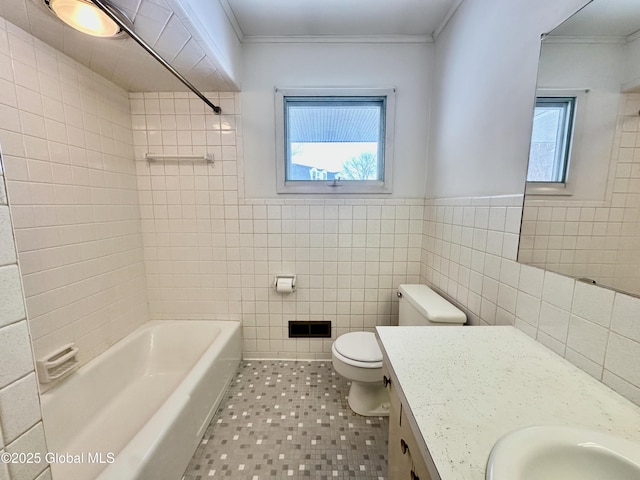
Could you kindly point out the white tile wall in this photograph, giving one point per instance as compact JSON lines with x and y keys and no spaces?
{"x":349,"y":255}
{"x":33,"y":441}
{"x":594,"y":239}
{"x":11,"y":303}
{"x":15,"y":356}
{"x":469,"y":244}
{"x":20,"y":415}
{"x":596,"y":329}
{"x":71,"y":183}
{"x":19,"y":407}
{"x":211,"y":253}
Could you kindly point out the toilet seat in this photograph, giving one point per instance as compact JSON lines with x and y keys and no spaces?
{"x":359,"y":349}
{"x":356,"y":356}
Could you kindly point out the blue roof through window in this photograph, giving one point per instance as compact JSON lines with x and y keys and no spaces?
{"x":358,"y":123}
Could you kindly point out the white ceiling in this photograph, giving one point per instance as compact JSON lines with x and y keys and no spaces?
{"x":166,"y":27}
{"x":603,"y":18}
{"x":286,"y":18}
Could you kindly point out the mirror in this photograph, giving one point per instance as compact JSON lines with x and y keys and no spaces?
{"x":589,"y":225}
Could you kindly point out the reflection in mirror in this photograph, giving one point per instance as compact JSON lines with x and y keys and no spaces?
{"x":587,"y":224}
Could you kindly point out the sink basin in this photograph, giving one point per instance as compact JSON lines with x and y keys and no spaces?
{"x":563,"y":453}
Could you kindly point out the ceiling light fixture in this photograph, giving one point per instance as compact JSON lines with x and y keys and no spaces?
{"x":101,"y":19}
{"x":86,"y":17}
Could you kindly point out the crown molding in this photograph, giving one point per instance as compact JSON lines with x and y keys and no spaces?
{"x":447,"y":18}
{"x":416,"y":39}
{"x":584,"y":40}
{"x":633,"y":36}
{"x":231,"y":16}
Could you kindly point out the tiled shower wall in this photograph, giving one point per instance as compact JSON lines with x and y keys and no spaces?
{"x":71,"y":184}
{"x":597,"y":239}
{"x":21,"y":427}
{"x":189,"y":208}
{"x":212,"y":253}
{"x":469,"y":252}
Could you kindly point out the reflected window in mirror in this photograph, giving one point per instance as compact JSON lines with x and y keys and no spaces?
{"x":590,"y":226}
{"x":551,"y":139}
{"x":555,"y":138}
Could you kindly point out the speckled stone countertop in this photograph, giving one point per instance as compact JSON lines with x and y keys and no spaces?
{"x":468,"y":386}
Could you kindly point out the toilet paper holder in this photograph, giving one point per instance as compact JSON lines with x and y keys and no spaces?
{"x":284,"y":283}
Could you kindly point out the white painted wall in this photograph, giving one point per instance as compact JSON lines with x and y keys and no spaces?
{"x":597,"y":67}
{"x":404,"y":66}
{"x":632,"y":66}
{"x":486,"y":61}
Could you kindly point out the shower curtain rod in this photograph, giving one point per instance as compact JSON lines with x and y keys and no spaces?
{"x":107,"y":9}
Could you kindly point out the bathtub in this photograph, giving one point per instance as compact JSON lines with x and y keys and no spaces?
{"x":139,"y":410}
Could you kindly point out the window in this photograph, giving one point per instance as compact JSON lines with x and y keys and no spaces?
{"x":334,"y":140}
{"x":551,"y":137}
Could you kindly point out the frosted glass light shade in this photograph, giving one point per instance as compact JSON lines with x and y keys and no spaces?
{"x":85,"y":17}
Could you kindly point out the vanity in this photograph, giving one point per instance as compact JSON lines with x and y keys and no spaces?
{"x":456,"y":390}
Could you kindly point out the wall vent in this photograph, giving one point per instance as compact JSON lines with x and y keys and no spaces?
{"x":310,"y":329}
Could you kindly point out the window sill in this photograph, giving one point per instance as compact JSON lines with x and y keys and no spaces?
{"x":549,"y":189}
{"x":342,"y":187}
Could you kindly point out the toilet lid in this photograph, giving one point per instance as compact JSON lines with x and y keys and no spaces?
{"x":359,"y":346}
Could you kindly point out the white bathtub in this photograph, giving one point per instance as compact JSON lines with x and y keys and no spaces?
{"x":147,"y":400}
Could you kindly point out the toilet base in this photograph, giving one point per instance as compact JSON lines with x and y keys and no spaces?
{"x":369,"y":399}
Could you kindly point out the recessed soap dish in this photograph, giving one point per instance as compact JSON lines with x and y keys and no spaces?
{"x":57,"y":364}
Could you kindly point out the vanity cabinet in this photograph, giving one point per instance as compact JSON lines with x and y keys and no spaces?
{"x":449,"y":392}
{"x":404,"y":461}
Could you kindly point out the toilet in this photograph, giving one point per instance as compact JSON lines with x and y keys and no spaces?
{"x":356,"y":356}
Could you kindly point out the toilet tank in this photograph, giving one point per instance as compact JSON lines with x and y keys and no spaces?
{"x":419,"y":305}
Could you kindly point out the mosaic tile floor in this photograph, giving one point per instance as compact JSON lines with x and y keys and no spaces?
{"x":290,"y":420}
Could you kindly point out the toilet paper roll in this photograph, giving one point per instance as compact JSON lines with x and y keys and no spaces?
{"x":284,"y":285}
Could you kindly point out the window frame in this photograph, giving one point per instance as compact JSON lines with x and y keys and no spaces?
{"x":564,"y":188}
{"x":383,"y":186}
